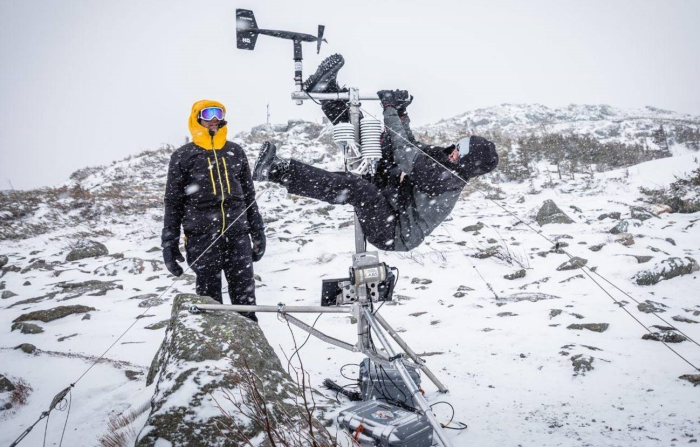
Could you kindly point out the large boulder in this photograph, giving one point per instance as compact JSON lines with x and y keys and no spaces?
{"x":666,"y":269}
{"x":550,"y":213}
{"x":219,"y":358}
{"x":87,"y":249}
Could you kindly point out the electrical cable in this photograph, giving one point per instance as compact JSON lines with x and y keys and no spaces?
{"x":536,"y":232}
{"x":347,"y":364}
{"x":70,"y":401}
{"x":46,"y":428}
{"x":296,"y":352}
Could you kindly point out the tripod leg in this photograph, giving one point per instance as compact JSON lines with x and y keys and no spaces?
{"x":406,"y":377}
{"x":410,"y":353}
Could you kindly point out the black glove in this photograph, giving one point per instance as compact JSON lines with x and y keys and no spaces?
{"x":171,"y":256}
{"x":394,"y":98}
{"x":259,"y":243}
{"x":401,"y":108}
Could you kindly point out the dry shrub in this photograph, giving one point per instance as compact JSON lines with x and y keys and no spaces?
{"x":19,"y":395}
{"x":121,"y":432}
{"x":290,"y":428}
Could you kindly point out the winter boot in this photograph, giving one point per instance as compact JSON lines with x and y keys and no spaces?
{"x":268,"y":166}
{"x":324,"y":79}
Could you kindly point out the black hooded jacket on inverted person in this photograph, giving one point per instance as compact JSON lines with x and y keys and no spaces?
{"x":428,"y":191}
{"x":415,"y":189}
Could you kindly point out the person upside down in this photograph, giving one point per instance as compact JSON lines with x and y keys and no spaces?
{"x":416,"y":186}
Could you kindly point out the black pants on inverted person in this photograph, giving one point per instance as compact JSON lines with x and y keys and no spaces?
{"x":376,"y":216}
{"x":231,"y":254}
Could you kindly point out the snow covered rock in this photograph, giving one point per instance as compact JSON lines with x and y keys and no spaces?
{"x":666,"y":269}
{"x":649,"y":307}
{"x":133,"y":266}
{"x":624,"y":225}
{"x":5,"y":384}
{"x":640,"y":213}
{"x":27,"y":348}
{"x":516,"y":275}
{"x":3,"y":260}
{"x":550,"y":213}
{"x":206,"y":360}
{"x":573,"y":264}
{"x":7,"y":294}
{"x":625,"y":239}
{"x":87,"y":249}
{"x":692,"y":378}
{"x":582,"y":364}
{"x":27,"y":328}
{"x":595,"y":327}
{"x":53,"y":314}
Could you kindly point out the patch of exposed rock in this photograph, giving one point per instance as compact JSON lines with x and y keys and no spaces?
{"x":27,"y":348}
{"x":527,"y":296}
{"x":87,"y":249}
{"x":7,"y":294}
{"x":133,"y":266}
{"x":665,"y":334}
{"x":550,"y":213}
{"x":582,"y":364}
{"x":625,"y":239}
{"x":683,"y":319}
{"x":92,"y":287}
{"x":27,"y":328}
{"x":666,"y":269}
{"x":573,"y":264}
{"x":692,"y":378}
{"x":53,"y":314}
{"x":516,"y":275}
{"x":649,"y":307}
{"x":640,"y":213}
{"x":6,"y":385}
{"x":624,"y":225}
{"x":595,"y":327}
{"x":473,"y":228}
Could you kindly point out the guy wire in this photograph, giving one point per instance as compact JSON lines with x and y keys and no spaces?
{"x":544,"y":237}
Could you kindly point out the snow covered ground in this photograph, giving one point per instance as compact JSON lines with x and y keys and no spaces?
{"x":503,"y":347}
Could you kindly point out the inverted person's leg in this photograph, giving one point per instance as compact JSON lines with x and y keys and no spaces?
{"x":332,"y":187}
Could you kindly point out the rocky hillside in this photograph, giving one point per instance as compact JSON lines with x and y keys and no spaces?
{"x":604,"y":123}
{"x":533,"y":351}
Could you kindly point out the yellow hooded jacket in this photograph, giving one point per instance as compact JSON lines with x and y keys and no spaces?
{"x":209,"y":187}
{"x":200,"y":134}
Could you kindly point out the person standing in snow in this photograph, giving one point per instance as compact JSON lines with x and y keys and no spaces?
{"x":210,"y":194}
{"x":416,"y":185}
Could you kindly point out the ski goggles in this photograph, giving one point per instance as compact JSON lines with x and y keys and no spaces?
{"x":210,"y":113}
{"x":463,"y":146}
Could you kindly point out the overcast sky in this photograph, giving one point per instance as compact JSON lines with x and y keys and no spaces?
{"x":86,"y":82}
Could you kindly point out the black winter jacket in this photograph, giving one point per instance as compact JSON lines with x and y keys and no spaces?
{"x":206,"y":191}
{"x":429,"y":189}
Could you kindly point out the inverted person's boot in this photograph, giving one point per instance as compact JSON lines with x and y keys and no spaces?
{"x":324,"y":80}
{"x":269,"y":167}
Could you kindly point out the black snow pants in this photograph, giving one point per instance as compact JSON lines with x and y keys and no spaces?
{"x":231,"y":254}
{"x":377,"y":218}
